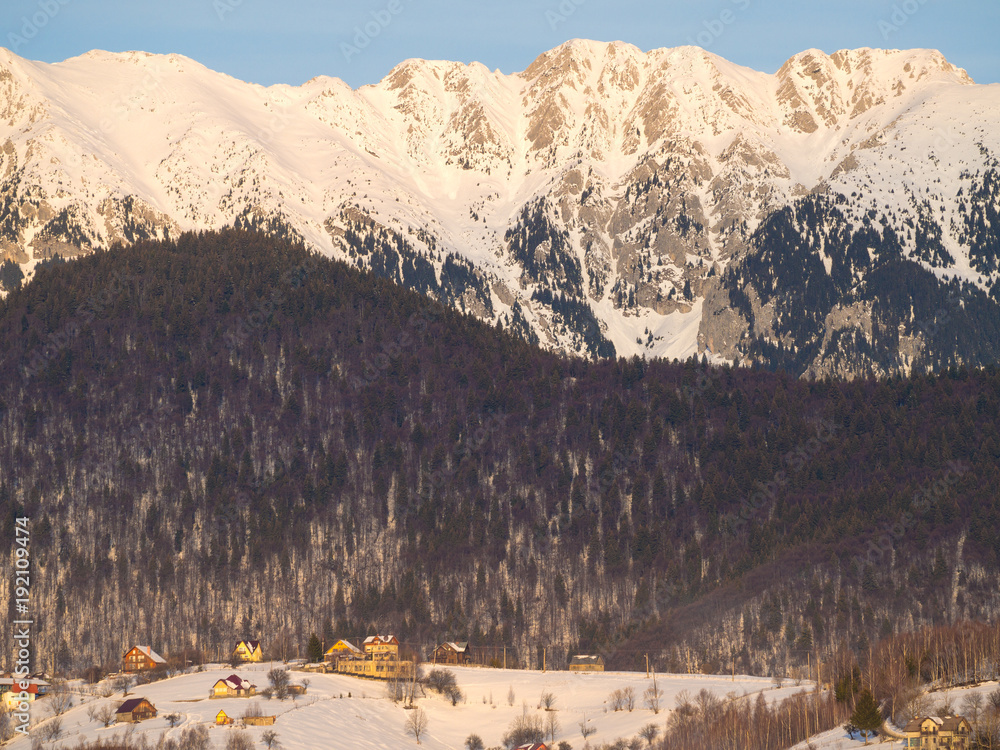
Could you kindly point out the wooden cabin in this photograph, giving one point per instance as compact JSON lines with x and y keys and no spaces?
{"x":141,"y":659}
{"x":586,"y":663}
{"x":248,"y":651}
{"x":222,"y":718}
{"x":452,"y":652}
{"x":135,"y":710}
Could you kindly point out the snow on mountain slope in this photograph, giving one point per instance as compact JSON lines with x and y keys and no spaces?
{"x":593,"y":199}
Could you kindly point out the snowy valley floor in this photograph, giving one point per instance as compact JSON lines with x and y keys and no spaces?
{"x":340,"y":712}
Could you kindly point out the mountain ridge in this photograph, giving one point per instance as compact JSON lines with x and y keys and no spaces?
{"x":645,"y":174}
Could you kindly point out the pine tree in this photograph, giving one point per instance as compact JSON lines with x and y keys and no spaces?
{"x":315,"y":649}
{"x":866,"y":717}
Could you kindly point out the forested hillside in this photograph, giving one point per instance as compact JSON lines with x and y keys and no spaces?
{"x":228,"y":437}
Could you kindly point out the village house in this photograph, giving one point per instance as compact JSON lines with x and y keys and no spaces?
{"x":233,"y":686}
{"x":937,"y":733}
{"x":248,"y":651}
{"x":381,"y":647}
{"x":342,"y":649}
{"x":452,"y":652}
{"x":141,"y":659}
{"x":10,"y":691}
{"x":222,"y":718}
{"x":586,"y":663}
{"x":135,"y":710}
{"x":532,"y":746}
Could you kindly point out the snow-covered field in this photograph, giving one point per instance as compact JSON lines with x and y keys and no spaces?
{"x":348,"y":712}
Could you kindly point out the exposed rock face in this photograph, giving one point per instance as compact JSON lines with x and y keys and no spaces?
{"x":661,"y":203}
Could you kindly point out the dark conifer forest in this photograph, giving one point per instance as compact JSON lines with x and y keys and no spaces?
{"x":226,"y":436}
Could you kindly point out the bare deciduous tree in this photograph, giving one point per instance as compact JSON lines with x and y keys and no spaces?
{"x":278,"y":678}
{"x":552,"y":725}
{"x":239,"y":740}
{"x":416,"y":724}
{"x":649,"y":733}
{"x":652,"y":697}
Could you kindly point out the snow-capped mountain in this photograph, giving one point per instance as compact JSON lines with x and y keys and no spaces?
{"x":839,"y":216}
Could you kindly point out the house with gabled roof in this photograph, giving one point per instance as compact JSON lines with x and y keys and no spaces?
{"x":233,"y":686}
{"x":248,"y":651}
{"x":141,"y":659}
{"x":381,"y":647}
{"x":343,"y":649}
{"x":12,"y":695}
{"x":135,"y":710}
{"x":937,"y":733}
{"x":452,"y":652}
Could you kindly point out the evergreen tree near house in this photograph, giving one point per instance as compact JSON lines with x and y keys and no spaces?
{"x":315,"y":649}
{"x":866,"y":717}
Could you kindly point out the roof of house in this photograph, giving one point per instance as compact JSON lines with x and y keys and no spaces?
{"x":130,"y":705}
{"x":33,"y":684}
{"x":944,"y":724}
{"x":531,"y":746}
{"x":381,"y":639}
{"x":458,"y":646}
{"x":350,"y":646}
{"x":148,"y":651}
{"x":251,"y":645}
{"x":587,"y":659}
{"x":235,"y":682}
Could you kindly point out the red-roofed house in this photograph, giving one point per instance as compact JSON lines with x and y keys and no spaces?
{"x":233,"y":686}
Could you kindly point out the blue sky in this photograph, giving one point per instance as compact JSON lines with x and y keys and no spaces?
{"x":292,"y":41}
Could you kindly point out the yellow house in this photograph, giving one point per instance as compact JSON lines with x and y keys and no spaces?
{"x":342,"y":649}
{"x":248,"y":651}
{"x":381,"y":647}
{"x":233,"y":686}
{"x":938,"y":733}
{"x":221,"y":718}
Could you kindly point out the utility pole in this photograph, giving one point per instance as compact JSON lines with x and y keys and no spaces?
{"x":505,"y":657}
{"x":647,"y":666}
{"x":543,"y":658}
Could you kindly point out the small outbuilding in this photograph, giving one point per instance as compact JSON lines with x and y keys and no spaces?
{"x":135,"y":710}
{"x":586,"y":663}
{"x":222,"y":718}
